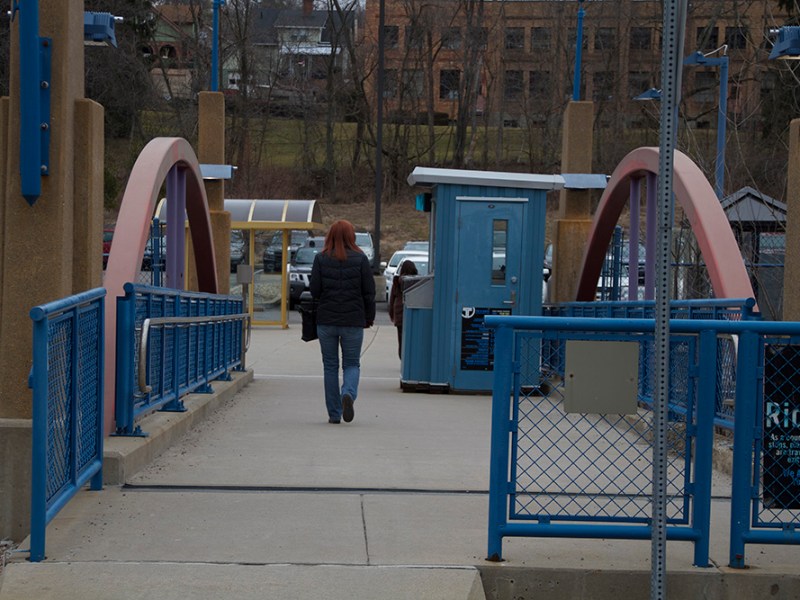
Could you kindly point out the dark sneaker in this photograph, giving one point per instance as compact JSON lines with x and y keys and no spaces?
{"x":334,"y":421}
{"x":347,"y":408}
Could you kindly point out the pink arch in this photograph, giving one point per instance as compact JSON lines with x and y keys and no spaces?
{"x":132,"y":230}
{"x":707,"y":219}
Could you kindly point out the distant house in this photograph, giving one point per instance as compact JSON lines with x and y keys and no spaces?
{"x":172,"y":49}
{"x":291,"y":53}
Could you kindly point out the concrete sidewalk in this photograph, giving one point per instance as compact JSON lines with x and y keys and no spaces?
{"x":265,"y":499}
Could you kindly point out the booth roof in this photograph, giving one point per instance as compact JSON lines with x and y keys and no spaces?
{"x":431,"y":176}
{"x":265,"y":214}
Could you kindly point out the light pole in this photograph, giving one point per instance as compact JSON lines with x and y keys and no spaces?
{"x":379,"y":135}
{"x":576,"y":81}
{"x":215,"y":45}
{"x":705,"y":60}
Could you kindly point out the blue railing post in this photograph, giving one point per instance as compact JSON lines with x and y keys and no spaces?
{"x":744,"y":427}
{"x":704,"y":444}
{"x":39,"y":450}
{"x":498,"y":468}
{"x":126,"y":330}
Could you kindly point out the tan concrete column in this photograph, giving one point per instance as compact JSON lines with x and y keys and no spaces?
{"x":791,"y":268}
{"x":39,"y":249}
{"x":574,"y":208}
{"x":211,"y":150}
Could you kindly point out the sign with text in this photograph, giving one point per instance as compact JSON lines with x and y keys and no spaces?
{"x":781,"y":438}
{"x":477,"y":341}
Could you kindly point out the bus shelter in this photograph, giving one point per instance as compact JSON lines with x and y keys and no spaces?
{"x":266,"y":291}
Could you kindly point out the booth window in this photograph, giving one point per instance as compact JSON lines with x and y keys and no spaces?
{"x":499,"y":242}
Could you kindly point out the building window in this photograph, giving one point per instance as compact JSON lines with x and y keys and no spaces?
{"x":167,"y":52}
{"x":736,"y":38}
{"x":705,"y":85}
{"x":414,"y":37}
{"x":602,"y":86}
{"x":478,"y":36}
{"x":540,"y":38}
{"x":539,"y":85}
{"x":390,"y":83}
{"x":515,"y":38}
{"x":451,"y":38}
{"x":513,"y":84}
{"x":391,"y":36}
{"x":638,"y":82}
{"x":413,"y":83}
{"x":605,"y":38}
{"x":448,"y":84}
{"x":707,"y":38}
{"x":641,"y":38}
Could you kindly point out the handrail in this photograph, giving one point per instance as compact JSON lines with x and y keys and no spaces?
{"x":177,"y":321}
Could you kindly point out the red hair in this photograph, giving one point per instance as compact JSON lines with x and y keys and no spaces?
{"x":341,"y":238}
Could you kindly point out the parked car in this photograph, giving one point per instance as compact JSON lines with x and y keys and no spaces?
{"x":421,"y":246}
{"x":238,"y":249}
{"x":108,"y":235}
{"x":273,"y":252}
{"x":394,"y":263}
{"x":148,"y":260}
{"x":299,"y":271}
{"x":364,"y":241}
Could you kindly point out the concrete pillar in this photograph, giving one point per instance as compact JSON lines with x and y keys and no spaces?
{"x":574,"y":220}
{"x":211,"y":150}
{"x":791,"y":268}
{"x":48,"y":250}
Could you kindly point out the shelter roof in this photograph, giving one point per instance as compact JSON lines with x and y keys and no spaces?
{"x":266,"y":214}
{"x":432,"y":176}
{"x":751,"y":206}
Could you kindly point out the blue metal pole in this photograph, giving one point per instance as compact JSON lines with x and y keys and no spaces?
{"x":215,"y":47}
{"x":576,"y":82}
{"x":499,"y":455}
{"x":39,"y":446}
{"x":123,"y":397}
{"x":722,"y":121}
{"x":743,"y":434}
{"x":704,"y":445}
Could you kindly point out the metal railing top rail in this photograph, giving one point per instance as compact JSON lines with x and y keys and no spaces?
{"x":43,"y":311}
{"x":142,"y":288}
{"x":778,"y":328}
{"x":181,"y":321}
{"x":703,"y":302}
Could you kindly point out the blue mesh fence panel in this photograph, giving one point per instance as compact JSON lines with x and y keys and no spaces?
{"x":59,"y":407}
{"x":89,"y":393}
{"x":588,"y":467}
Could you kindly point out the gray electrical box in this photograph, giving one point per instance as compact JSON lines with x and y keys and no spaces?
{"x":601,"y":377}
{"x":244,"y":274}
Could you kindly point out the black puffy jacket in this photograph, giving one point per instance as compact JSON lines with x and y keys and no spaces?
{"x":345,"y":290}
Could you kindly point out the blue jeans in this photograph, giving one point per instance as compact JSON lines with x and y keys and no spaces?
{"x":350,"y":339}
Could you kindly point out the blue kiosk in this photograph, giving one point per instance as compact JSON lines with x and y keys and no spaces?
{"x":486,"y":256}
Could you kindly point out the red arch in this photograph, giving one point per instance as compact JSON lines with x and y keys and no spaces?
{"x":720,"y":251}
{"x":133,"y":228}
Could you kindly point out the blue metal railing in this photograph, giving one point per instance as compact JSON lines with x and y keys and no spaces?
{"x":171,"y":343}
{"x":559,"y":474}
{"x":67,"y":382}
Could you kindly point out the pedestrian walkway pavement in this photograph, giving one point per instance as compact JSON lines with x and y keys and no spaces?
{"x":263,"y":498}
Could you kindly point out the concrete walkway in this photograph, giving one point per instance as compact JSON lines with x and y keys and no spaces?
{"x":264,"y":499}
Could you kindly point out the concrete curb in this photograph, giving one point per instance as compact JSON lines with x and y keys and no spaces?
{"x":124,"y":456}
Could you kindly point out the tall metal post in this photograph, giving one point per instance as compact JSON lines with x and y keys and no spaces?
{"x":215,"y":46}
{"x":671,"y":67}
{"x":576,"y":81}
{"x":722,"y":121}
{"x":379,"y":135}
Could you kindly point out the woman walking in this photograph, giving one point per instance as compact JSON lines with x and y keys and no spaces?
{"x":343,"y":285}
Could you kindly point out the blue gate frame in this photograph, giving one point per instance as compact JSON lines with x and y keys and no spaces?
{"x":525,"y":502}
{"x":67,"y":382}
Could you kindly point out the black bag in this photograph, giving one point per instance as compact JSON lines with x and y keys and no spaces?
{"x":308,"y":310}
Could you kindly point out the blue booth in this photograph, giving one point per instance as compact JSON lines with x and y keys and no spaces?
{"x":486,"y":257}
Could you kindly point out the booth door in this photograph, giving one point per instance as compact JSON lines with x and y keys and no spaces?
{"x":490,"y":244}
